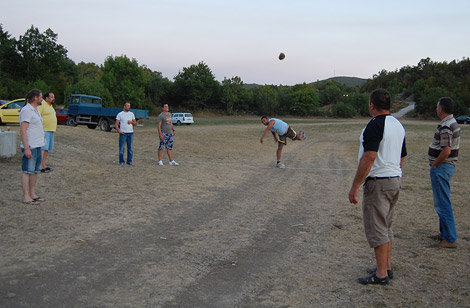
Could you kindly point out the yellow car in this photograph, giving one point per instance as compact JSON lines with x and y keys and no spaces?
{"x":10,"y":112}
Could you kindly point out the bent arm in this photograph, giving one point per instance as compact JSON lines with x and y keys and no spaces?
{"x":442,"y":157}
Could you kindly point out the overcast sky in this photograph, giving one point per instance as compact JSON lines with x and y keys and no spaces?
{"x":321,"y":39}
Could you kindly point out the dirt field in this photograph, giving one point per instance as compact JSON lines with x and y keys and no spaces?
{"x":225,"y":228}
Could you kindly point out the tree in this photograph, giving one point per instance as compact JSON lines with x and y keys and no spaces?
{"x":304,"y":100}
{"x":196,"y":87}
{"x":41,"y":55}
{"x":124,"y":79}
{"x":360,"y":102}
{"x":10,"y":61}
{"x":156,"y":88}
{"x":234,"y":95}
{"x":331,"y":93}
{"x":89,"y":71}
{"x":265,"y":100}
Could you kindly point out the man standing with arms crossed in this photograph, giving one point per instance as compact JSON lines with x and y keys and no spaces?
{"x":381,"y":156}
{"x":50,"y":125}
{"x":443,"y":153}
{"x":166,"y":133}
{"x":125,"y":121}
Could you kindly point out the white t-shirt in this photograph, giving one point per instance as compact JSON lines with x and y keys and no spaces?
{"x":123,"y":117}
{"x":35,"y":130}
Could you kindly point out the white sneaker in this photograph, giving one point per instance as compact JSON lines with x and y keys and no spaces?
{"x":280,"y":165}
{"x":160,"y":163}
{"x":173,"y":163}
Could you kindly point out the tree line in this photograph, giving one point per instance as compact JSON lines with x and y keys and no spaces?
{"x":36,"y":60}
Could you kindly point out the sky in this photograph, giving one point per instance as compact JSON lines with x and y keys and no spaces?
{"x":321,"y":39}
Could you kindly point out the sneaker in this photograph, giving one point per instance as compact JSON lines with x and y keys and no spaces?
{"x":280,"y":165}
{"x":173,"y":163}
{"x":121,"y":164}
{"x":131,"y":164}
{"x":160,"y":163}
{"x":302,"y":133}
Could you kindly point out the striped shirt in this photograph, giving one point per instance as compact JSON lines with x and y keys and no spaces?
{"x":447,"y":135}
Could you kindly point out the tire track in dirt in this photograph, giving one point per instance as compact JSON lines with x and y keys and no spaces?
{"x":111,"y":259}
{"x":242,"y":285}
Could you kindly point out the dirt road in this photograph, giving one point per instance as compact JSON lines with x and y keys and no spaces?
{"x":223,"y":229}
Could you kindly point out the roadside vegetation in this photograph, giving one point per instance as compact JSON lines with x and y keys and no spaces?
{"x":36,"y":60}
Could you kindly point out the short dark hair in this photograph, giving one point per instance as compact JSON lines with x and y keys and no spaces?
{"x":381,"y":99}
{"x":46,"y":95}
{"x":446,"y":104}
{"x":264,"y":117}
{"x":124,"y":104}
{"x":163,"y":104}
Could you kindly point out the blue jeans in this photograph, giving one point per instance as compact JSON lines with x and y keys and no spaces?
{"x":124,"y":139}
{"x":32,"y":165}
{"x":440,"y":181}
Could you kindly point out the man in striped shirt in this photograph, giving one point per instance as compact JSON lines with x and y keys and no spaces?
{"x":443,"y":153}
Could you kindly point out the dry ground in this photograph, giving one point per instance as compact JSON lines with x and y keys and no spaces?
{"x":225,"y":228}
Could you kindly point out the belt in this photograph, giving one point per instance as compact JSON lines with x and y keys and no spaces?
{"x":374,"y":178}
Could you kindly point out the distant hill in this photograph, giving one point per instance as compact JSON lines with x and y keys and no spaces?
{"x":349,"y":81}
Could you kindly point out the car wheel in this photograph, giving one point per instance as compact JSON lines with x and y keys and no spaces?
{"x":71,"y":122}
{"x":178,"y":123}
{"x":104,"y":125}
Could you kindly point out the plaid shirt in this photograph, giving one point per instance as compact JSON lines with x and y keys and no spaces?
{"x":447,"y":135}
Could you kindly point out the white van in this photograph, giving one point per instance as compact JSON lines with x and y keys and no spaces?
{"x":182,"y":118}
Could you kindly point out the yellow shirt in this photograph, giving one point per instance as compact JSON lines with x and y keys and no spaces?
{"x":48,"y":117}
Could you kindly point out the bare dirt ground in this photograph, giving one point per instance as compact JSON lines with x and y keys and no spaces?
{"x":225,"y":228}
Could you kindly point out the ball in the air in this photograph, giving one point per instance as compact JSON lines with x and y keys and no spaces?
{"x":282,"y":56}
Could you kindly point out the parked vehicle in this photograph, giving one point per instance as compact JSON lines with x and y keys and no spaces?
{"x":463,"y":120}
{"x":88,"y":110}
{"x":179,"y":118}
{"x":10,"y":112}
{"x":61,"y":115}
{"x":2,"y":101}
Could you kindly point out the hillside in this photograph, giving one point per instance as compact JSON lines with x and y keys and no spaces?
{"x":349,"y":81}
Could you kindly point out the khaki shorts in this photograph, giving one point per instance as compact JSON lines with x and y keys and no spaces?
{"x":380,"y":197}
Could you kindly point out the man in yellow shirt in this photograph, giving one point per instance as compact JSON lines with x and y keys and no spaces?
{"x":50,"y":125}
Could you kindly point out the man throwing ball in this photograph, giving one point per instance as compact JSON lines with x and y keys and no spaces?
{"x":281,"y":131}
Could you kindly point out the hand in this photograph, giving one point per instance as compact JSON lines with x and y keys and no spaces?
{"x":261,"y":140}
{"x":27,"y":153}
{"x":161,"y":138}
{"x":353,"y":195}
{"x":120,"y":132}
{"x":129,"y":122}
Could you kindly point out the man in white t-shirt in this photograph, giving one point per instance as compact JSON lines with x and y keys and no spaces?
{"x":125,"y":121}
{"x":32,"y":139}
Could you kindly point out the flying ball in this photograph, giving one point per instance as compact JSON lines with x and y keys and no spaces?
{"x":282,"y":56}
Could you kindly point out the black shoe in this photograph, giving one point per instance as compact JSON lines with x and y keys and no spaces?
{"x":373,"y":279}
{"x":373,"y":270}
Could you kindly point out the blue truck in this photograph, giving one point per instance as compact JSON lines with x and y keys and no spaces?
{"x":88,"y":110}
